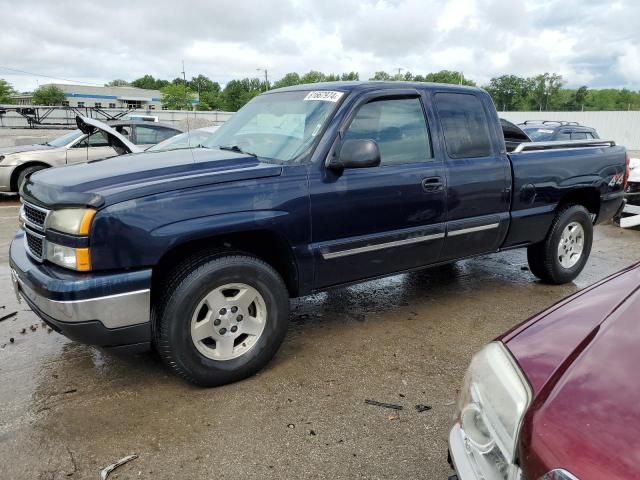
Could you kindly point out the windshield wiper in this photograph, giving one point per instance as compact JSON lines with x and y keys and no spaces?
{"x":235,"y":148}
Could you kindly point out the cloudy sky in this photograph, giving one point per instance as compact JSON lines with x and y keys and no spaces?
{"x":591,"y":42}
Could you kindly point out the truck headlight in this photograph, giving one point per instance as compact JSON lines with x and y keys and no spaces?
{"x":75,"y":258}
{"x":75,"y":221}
{"x":492,"y":404}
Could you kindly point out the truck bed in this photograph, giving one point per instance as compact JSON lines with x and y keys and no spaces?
{"x":543,"y":173}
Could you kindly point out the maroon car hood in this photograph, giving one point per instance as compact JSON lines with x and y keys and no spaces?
{"x":582,"y":359}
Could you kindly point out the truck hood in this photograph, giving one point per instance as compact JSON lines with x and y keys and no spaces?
{"x":23,"y":148}
{"x":581,"y":359}
{"x":105,"y":182}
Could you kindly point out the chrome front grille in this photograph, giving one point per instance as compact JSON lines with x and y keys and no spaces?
{"x":36,"y":216}
{"x":35,"y":244}
{"x":34,"y":220}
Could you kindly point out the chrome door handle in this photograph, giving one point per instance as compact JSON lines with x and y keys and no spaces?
{"x":432,"y":184}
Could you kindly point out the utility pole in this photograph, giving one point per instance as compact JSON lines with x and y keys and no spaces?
{"x":186,"y":97}
{"x":184,"y":77}
{"x":266,"y":77}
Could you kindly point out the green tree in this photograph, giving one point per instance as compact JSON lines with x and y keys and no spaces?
{"x":571,"y":100}
{"x":313,"y":77}
{"x":118,"y":82}
{"x":545,"y":88}
{"x":238,"y":92}
{"x":6,"y":90}
{"x":48,"y":95}
{"x":210,"y":101}
{"x":149,"y":82}
{"x":202,"y":83}
{"x":288,"y":80}
{"x":449,"y":76}
{"x":509,"y":92}
{"x":381,"y":76}
{"x":177,"y":97}
{"x":350,"y":76}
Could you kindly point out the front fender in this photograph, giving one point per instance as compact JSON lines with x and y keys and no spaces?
{"x":51,"y":158}
{"x":179,"y":233}
{"x":118,"y":245}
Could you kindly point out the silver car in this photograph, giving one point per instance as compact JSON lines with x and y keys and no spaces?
{"x":77,"y":146}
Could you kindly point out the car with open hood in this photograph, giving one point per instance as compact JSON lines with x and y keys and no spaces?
{"x":556,"y":398}
{"x":79,"y":146}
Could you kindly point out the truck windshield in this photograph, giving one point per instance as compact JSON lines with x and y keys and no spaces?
{"x":277,"y":126}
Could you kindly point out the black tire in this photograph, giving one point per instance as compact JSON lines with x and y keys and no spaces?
{"x":183,"y":290}
{"x":543,"y":257}
{"x":25,"y":173}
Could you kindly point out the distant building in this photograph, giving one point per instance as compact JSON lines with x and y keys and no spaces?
{"x":103,"y":97}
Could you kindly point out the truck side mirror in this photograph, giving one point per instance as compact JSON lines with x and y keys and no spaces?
{"x":357,"y":154}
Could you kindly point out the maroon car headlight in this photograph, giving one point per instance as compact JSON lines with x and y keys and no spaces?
{"x":558,"y":474}
{"x":493,"y":401}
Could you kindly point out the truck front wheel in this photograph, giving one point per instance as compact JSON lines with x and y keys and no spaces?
{"x":563,"y":254}
{"x":221,"y":319}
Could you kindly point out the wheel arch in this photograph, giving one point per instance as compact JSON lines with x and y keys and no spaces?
{"x":20,"y":168}
{"x":588,"y":197}
{"x":265,"y":244}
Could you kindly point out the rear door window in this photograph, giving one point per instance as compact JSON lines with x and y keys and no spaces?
{"x":578,"y":136}
{"x":564,"y":135}
{"x":148,"y":135}
{"x":397,"y":125}
{"x":465,"y":125}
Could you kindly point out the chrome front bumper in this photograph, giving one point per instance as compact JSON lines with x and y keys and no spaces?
{"x":110,"y":309}
{"x":113,"y":311}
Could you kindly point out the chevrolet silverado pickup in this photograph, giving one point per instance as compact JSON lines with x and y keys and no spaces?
{"x":196,"y":252}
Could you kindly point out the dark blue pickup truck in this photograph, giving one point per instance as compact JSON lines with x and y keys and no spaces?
{"x":196,"y":252}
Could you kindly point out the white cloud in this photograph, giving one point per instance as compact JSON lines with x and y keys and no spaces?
{"x":589,"y":42}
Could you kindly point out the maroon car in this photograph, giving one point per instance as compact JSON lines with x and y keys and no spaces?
{"x":558,"y":397}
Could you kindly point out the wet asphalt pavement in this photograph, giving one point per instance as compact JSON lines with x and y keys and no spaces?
{"x":68,"y":410}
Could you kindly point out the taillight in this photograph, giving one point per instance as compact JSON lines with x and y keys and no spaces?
{"x":626,"y":171}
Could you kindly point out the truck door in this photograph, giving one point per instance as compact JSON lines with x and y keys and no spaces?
{"x":378,"y":220}
{"x":478,"y":175}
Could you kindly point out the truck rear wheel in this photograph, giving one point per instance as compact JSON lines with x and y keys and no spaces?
{"x":563,"y":254}
{"x":221,"y":319}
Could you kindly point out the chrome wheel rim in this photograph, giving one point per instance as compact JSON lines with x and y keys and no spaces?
{"x":228,"y":321}
{"x":571,"y":245}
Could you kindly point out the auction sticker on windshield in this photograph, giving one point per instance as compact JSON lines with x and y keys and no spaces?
{"x":324,"y":95}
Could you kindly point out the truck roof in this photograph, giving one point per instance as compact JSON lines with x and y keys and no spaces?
{"x":355,"y":86}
